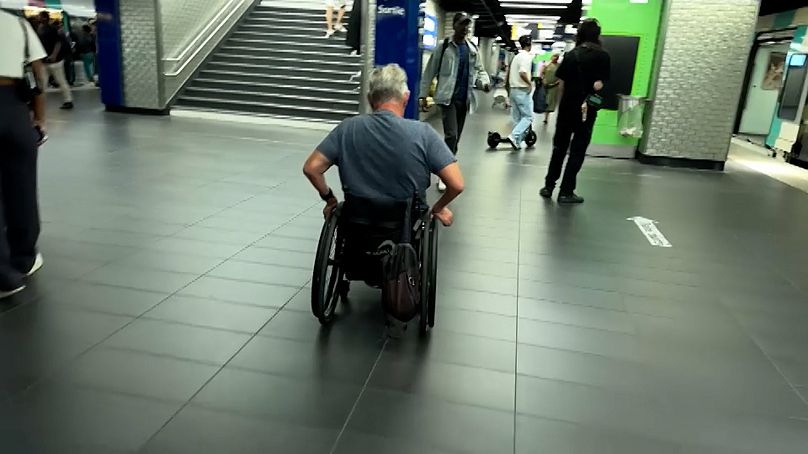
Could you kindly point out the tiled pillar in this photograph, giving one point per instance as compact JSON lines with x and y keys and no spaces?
{"x":701,"y":62}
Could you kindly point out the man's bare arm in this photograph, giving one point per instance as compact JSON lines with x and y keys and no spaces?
{"x":315,"y":168}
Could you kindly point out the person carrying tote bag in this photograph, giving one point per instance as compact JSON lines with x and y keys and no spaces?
{"x":22,"y":126}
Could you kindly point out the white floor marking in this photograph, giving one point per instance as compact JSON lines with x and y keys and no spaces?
{"x":652,"y":233}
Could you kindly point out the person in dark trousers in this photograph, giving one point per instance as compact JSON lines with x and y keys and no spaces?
{"x":19,"y":211}
{"x":58,"y":51}
{"x":581,"y":74}
{"x":353,"y":38}
{"x":85,"y":47}
{"x":457,"y":65}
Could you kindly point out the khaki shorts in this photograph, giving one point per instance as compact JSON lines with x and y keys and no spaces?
{"x":335,"y":3}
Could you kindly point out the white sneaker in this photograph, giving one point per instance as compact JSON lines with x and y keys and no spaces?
{"x":342,"y":29}
{"x":441,"y":186}
{"x":38,"y":262}
{"x":8,"y":293}
{"x":353,"y":53}
{"x":512,"y":140}
{"x":329,"y":33}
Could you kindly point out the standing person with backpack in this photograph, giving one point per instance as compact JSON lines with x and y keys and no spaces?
{"x":456,"y":63}
{"x":582,"y":74}
{"x":19,"y":213}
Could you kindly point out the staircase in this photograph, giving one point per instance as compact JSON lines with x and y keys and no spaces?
{"x":277,"y":63}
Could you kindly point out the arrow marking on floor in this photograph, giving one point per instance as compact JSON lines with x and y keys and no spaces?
{"x":648,"y":227}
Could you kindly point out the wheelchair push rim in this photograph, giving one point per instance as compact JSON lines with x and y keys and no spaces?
{"x":326,"y":286}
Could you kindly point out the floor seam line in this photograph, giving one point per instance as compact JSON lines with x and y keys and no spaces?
{"x":358,"y":398}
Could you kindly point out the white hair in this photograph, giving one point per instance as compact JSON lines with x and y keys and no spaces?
{"x":387,"y":83}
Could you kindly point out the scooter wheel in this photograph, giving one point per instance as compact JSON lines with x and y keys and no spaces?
{"x":531,"y":138}
{"x":494,"y":139}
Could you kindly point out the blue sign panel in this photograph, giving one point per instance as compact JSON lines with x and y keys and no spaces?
{"x":398,"y":41}
{"x":110,"y":69}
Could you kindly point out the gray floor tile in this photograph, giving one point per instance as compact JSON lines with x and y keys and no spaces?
{"x":433,"y":422}
{"x":212,"y":313}
{"x":473,"y":300}
{"x":179,"y":341}
{"x":262,"y":273}
{"x":314,"y":403}
{"x":104,"y":298}
{"x":302,"y":260}
{"x":553,"y":436}
{"x":82,"y":420}
{"x":444,"y":381}
{"x":197,"y":430}
{"x":266,"y":295}
{"x":138,"y":374}
{"x":585,"y":340}
{"x":571,"y":314}
{"x":332,"y":361}
{"x":140,"y":278}
{"x":183,"y":263}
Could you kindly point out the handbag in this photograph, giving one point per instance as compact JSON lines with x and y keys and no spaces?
{"x":27,"y":87}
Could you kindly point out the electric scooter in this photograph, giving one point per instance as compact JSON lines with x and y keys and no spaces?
{"x":495,"y":138}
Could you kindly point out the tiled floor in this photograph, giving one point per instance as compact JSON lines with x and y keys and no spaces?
{"x":172,"y":314}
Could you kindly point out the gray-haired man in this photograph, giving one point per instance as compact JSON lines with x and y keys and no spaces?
{"x":382,"y":155}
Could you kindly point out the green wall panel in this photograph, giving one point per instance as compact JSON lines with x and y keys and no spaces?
{"x":622,"y":18}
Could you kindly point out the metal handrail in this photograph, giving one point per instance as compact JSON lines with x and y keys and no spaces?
{"x":208,"y":34}
{"x":368,"y":49}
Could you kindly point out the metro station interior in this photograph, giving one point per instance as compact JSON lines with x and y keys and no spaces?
{"x":173,"y":312}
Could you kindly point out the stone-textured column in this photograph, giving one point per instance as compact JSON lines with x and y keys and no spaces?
{"x":701,"y":62}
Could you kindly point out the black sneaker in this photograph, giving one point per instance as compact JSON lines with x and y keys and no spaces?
{"x":546,"y":193}
{"x":67,"y":106}
{"x":570,"y":198}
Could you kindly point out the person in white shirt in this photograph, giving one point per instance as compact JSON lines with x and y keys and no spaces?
{"x":520,"y":87}
{"x":329,"y":17}
{"x":22,"y":119}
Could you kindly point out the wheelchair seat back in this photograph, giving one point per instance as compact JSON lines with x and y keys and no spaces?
{"x":366,"y":224}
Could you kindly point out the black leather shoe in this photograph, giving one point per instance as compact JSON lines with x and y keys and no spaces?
{"x":546,"y":193}
{"x":570,"y":198}
{"x":67,"y":106}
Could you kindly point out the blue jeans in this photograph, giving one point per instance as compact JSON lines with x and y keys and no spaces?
{"x":522,"y":111}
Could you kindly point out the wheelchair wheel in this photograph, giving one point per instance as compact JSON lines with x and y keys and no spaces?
{"x":531,"y":138}
{"x":328,"y":279}
{"x":494,"y":138}
{"x":433,"y":271}
{"x":423,"y":321}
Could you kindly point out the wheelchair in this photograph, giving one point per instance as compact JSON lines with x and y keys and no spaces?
{"x":348,"y":251}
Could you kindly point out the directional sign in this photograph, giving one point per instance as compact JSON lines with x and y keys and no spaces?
{"x":648,"y":227}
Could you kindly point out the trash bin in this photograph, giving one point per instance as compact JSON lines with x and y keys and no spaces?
{"x":630,"y":116}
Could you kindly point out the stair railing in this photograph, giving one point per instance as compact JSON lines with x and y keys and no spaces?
{"x":368,"y":51}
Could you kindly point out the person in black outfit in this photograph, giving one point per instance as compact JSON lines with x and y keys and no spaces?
{"x":22,"y":123}
{"x":583,"y":73}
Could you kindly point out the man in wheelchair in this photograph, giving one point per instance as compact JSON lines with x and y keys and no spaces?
{"x":385,"y":164}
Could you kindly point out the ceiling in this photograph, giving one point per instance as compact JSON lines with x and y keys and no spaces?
{"x":778,"y":6}
{"x":496,"y":16}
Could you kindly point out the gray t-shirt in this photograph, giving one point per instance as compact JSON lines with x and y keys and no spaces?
{"x":383,"y":156}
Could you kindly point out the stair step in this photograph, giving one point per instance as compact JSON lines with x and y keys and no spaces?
{"x":300,"y":14}
{"x":182,"y":107}
{"x":288,"y":22}
{"x":317,"y":64}
{"x":240,"y":94}
{"x":285,"y":110}
{"x":292,"y":36}
{"x":283,"y":70}
{"x":283,"y":51}
{"x":309,"y":29}
{"x":257,"y":78}
{"x":302,"y":90}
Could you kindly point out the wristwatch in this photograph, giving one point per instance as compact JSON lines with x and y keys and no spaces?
{"x":328,"y":196}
